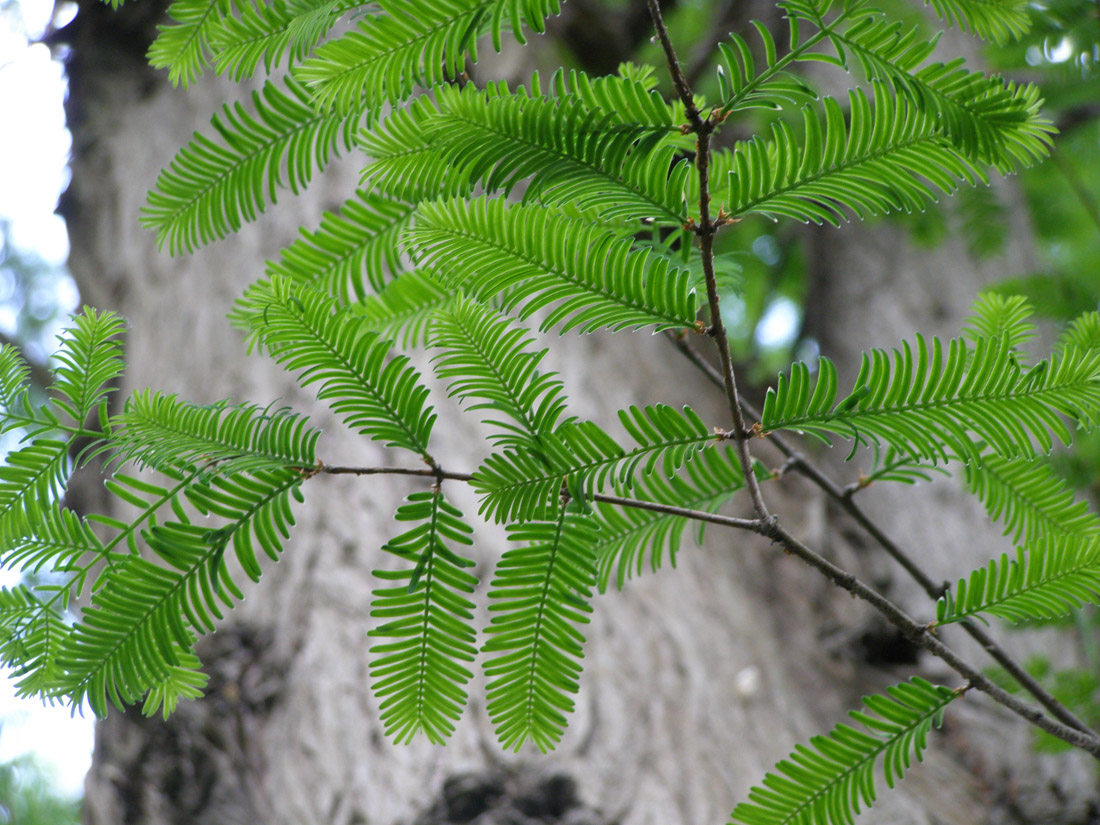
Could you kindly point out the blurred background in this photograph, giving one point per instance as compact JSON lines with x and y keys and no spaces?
{"x":44,"y":751}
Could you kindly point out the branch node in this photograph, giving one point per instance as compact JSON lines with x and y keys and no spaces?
{"x":309,"y":472}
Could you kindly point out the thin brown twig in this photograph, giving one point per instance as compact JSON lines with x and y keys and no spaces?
{"x":801,"y":464}
{"x":621,"y":501}
{"x":706,"y":230}
{"x":919,"y":634}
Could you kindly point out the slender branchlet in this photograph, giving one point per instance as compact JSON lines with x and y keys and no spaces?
{"x":796,"y":461}
{"x":703,"y":127}
{"x":1077,"y":733}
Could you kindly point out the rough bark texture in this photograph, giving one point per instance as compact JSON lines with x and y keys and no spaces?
{"x":696,"y":680}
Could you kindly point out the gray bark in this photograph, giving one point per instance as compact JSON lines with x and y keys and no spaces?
{"x":697,"y":680}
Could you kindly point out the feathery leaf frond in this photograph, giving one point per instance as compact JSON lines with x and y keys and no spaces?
{"x":989,"y":120}
{"x":937,"y":401}
{"x":406,"y":308}
{"x":891,"y":156}
{"x":994,"y":314}
{"x":627,"y":99}
{"x":15,"y":385}
{"x":538,"y":598}
{"x":305,"y":330}
{"x":59,"y":541}
{"x":182,"y":47}
{"x":88,"y":360}
{"x":419,"y":677}
{"x":571,"y":152}
{"x":264,"y":32}
{"x":1047,"y":579}
{"x":486,"y":357}
{"x":627,"y":534}
{"x":999,"y":21}
{"x":31,"y":634}
{"x":521,"y":484}
{"x":350,"y":255}
{"x":591,"y":276}
{"x":414,"y":42}
{"x":1029,"y":498}
{"x":139,"y":630}
{"x":406,"y":163}
{"x":161,"y":431}
{"x":1083,"y":333}
{"x":32,"y":480}
{"x":742,"y":84}
{"x":831,"y":779}
{"x":210,"y":188}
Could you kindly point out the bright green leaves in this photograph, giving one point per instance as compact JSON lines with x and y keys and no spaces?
{"x":571,"y":151}
{"x":31,"y":631}
{"x":420,"y":677}
{"x":829,"y":781}
{"x":1049,"y":578}
{"x":993,"y":315}
{"x":590,"y":277}
{"x":411,"y":43}
{"x":182,"y":47}
{"x":538,"y":597}
{"x":743,"y":84}
{"x":32,"y":481}
{"x":891,"y":156}
{"x":352,"y":252}
{"x":140,"y":628}
{"x":999,"y":21}
{"x":87,"y":362}
{"x":211,"y":187}
{"x":266,"y":31}
{"x":932,"y":401}
{"x":406,"y":308}
{"x":486,"y":359}
{"x":379,"y":396}
{"x":627,"y":534}
{"x":161,"y":431}
{"x":1029,"y":498}
{"x":522,"y":484}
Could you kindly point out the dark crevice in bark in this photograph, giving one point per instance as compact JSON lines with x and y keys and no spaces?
{"x":203,"y":765}
{"x":510,"y":796}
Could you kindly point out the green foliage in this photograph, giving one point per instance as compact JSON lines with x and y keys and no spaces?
{"x":28,"y":796}
{"x":183,"y":46}
{"x":410,"y":43}
{"x":304,"y":330}
{"x":157,"y":430}
{"x":1029,"y":498}
{"x":627,"y":534}
{"x":352,"y":251}
{"x":211,"y":188}
{"x":419,"y":677}
{"x":525,"y":483}
{"x":591,"y":276}
{"x":829,"y":781}
{"x":538,"y":598}
{"x":892,"y":156}
{"x":1048,"y":578}
{"x":608,"y":188}
{"x":932,"y":401}
{"x":265,"y":33}
{"x":487,"y":358}
{"x":135,"y":638}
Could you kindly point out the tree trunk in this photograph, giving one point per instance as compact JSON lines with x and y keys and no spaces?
{"x":696,"y":680}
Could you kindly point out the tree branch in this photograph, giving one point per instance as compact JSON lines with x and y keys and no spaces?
{"x":799,"y":463}
{"x":917,"y":633}
{"x":706,"y":229}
